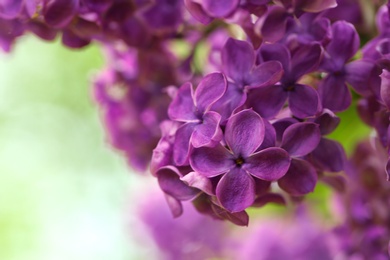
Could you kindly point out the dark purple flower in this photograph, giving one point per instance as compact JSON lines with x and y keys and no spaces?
{"x":333,"y":91}
{"x":59,"y":13}
{"x":298,"y":140}
{"x":191,"y":107}
{"x":303,"y":100}
{"x":240,"y":161}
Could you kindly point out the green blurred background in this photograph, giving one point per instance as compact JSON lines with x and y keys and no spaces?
{"x":64,"y":193}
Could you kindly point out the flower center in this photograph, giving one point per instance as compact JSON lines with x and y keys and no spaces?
{"x":239,"y":161}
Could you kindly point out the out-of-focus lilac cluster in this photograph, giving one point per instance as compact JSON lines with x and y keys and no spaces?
{"x":230,"y":102}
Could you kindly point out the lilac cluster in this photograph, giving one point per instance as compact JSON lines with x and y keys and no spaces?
{"x":136,"y":23}
{"x":363,"y":208}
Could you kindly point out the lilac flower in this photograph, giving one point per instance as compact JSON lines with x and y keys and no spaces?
{"x":240,"y":161}
{"x":205,"y":10}
{"x":303,"y":99}
{"x":273,"y":24}
{"x":238,"y":61}
{"x":299,"y":140}
{"x":201,"y":126}
{"x":333,"y":90}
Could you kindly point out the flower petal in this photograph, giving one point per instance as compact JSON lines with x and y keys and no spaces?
{"x":327,"y":121}
{"x":59,"y":13}
{"x":181,"y":146}
{"x":174,"y":205}
{"x":182,"y":106}
{"x":344,"y":44}
{"x":196,"y":10}
{"x":304,"y":60}
{"x":275,"y":52}
{"x":236,"y":190}
{"x":238,"y":58}
{"x":303,"y":101}
{"x":329,"y":155}
{"x":300,"y":179}
{"x":10,"y":9}
{"x":210,"y":89}
{"x":273,"y":27}
{"x":196,"y":180}
{"x":358,"y":74}
{"x":315,"y":6}
{"x":385,"y":88}
{"x":208,"y":132}
{"x":266,"y":74}
{"x":269,"y":137}
{"x":220,"y":8}
{"x":244,"y":132}
{"x":267,"y":101}
{"x":238,"y":218}
{"x":269,"y":164}
{"x":170,"y":183}
{"x":301,"y":138}
{"x":334,"y":94}
{"x":211,"y":162}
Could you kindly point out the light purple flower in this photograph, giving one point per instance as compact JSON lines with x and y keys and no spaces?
{"x":240,"y":161}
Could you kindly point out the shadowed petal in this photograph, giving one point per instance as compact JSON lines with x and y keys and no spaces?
{"x":301,"y":138}
{"x":281,"y":125}
{"x":220,"y":8}
{"x":344,"y":44}
{"x":197,"y":12}
{"x":315,"y":6}
{"x":196,"y":180}
{"x":385,"y":88}
{"x":174,"y":205}
{"x":269,"y":164}
{"x":303,"y":101}
{"x":236,"y":190}
{"x":210,"y":89}
{"x":59,"y":13}
{"x":10,"y":9}
{"x":170,"y":183}
{"x":300,"y":179}
{"x":238,"y":58}
{"x":275,"y":52}
{"x":269,"y":198}
{"x":269,"y":137}
{"x":182,"y":106}
{"x":239,"y":218}
{"x":208,"y":132}
{"x":267,"y":101}
{"x":328,"y":122}
{"x":358,"y":74}
{"x":304,"y":60}
{"x":211,"y":162}
{"x":388,"y":170}
{"x":181,"y":146}
{"x":244,"y":132}
{"x":273,"y":26}
{"x":334,"y":94}
{"x":266,"y":74}
{"x":329,"y":155}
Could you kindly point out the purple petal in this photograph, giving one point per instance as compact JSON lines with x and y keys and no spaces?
{"x":182,"y":106}
{"x":231,"y":100}
{"x":210,"y":89}
{"x":197,"y":12}
{"x":344,"y":44}
{"x":10,"y":9}
{"x":174,"y":205}
{"x":269,"y":198}
{"x":336,"y":182}
{"x":170,"y":183}
{"x":281,"y":125}
{"x":71,"y":40}
{"x":327,"y":121}
{"x":267,"y":101}
{"x":269,"y":165}
{"x":315,"y":6}
{"x":275,"y":52}
{"x":269,"y":137}
{"x":238,"y":218}
{"x":300,"y":179}
{"x":329,"y":155}
{"x":207,"y":133}
{"x":181,"y":146}
{"x":266,"y":74}
{"x":273,"y":26}
{"x":220,"y":8}
{"x":334,"y":94}
{"x":304,"y":60}
{"x":303,"y":101}
{"x":238,"y":58}
{"x":211,"y":162}
{"x":385,"y":88}
{"x":196,"y":180}
{"x":301,"y":138}
{"x":236,"y":190}
{"x":244,"y":132}
{"x":59,"y":13}
{"x":358,"y":74}
{"x":388,"y":170}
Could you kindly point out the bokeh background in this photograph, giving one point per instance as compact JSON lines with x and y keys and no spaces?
{"x":64,"y":193}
